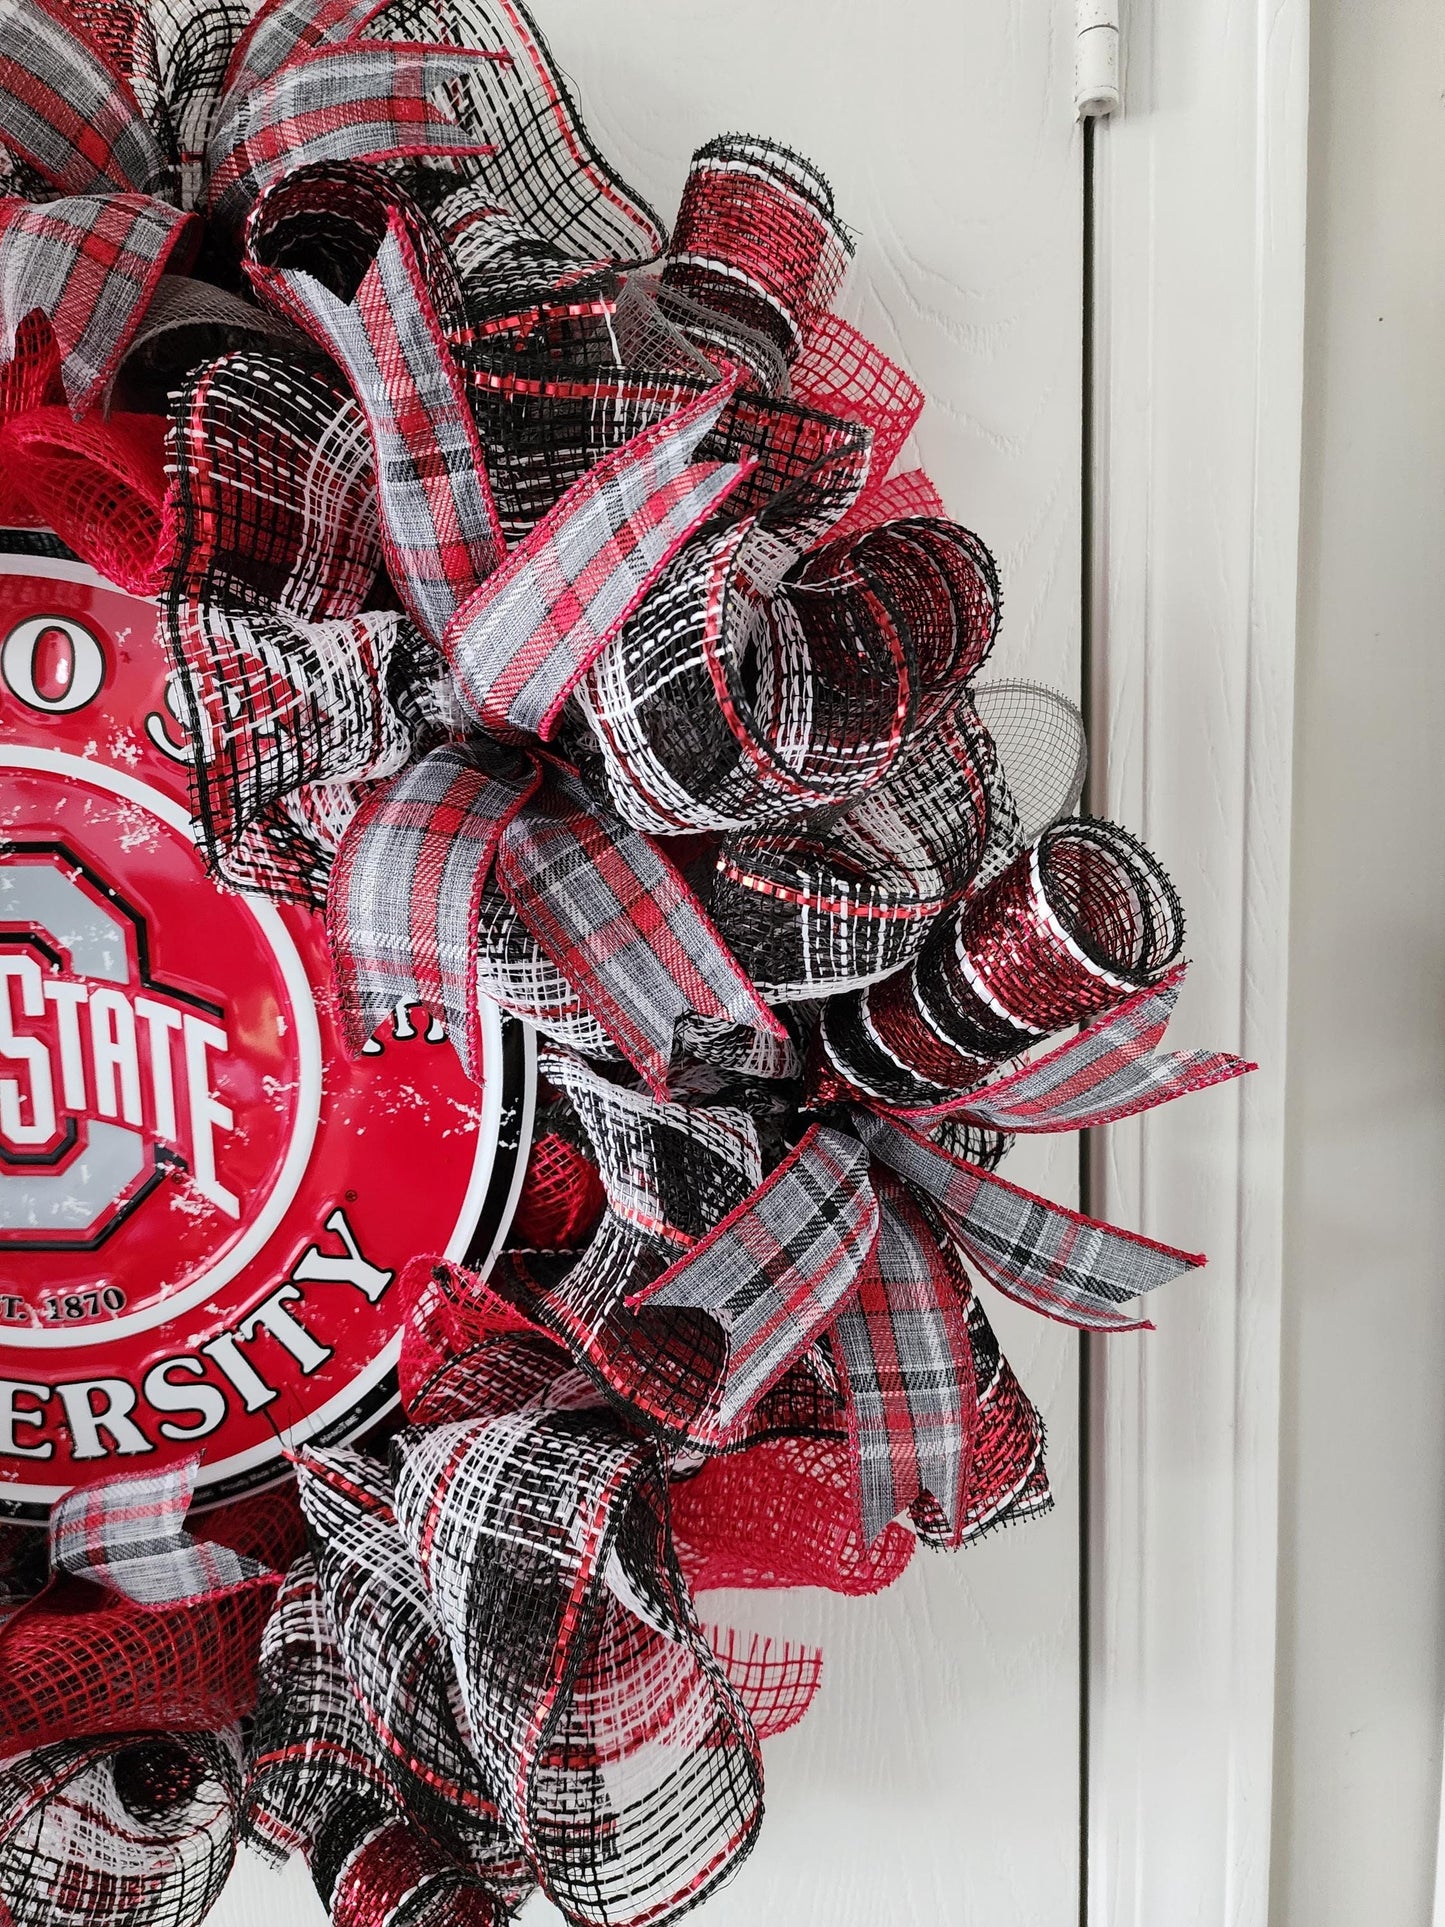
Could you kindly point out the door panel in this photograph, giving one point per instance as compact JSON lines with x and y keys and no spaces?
{"x":935,"y":1782}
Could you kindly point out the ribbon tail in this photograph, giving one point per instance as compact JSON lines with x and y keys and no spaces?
{"x":128,"y":1535}
{"x":91,"y":265}
{"x":1111,"y":1071}
{"x":903,"y":1347}
{"x":617,"y":919}
{"x":1076,"y":1269}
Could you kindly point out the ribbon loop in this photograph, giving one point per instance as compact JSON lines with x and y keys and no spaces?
{"x":623,"y":1757}
{"x":91,"y":266}
{"x":531,"y":631}
{"x":67,"y":112}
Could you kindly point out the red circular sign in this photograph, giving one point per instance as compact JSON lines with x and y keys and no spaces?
{"x":204,"y":1203}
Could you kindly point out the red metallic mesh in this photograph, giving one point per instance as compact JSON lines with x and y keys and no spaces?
{"x":28,"y":380}
{"x":100,"y":484}
{"x":775,"y":1682}
{"x":78,"y":1661}
{"x":894,"y":498}
{"x":562,"y":1197}
{"x":783,"y":1513}
{"x":841,"y":372}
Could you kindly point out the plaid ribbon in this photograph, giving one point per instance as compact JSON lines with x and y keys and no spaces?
{"x":774,"y":1272}
{"x":439,"y":523}
{"x":1114,"y":1070}
{"x":280,"y":31}
{"x":607,"y":908}
{"x":615,"y":916}
{"x":139,"y":1828}
{"x":903,"y":1347}
{"x":361,"y":101}
{"x":520,"y":644}
{"x":67,"y":112}
{"x":406,"y":891}
{"x":1057,"y":1262}
{"x":127,"y":1534}
{"x":545,"y":167}
{"x":91,"y":266}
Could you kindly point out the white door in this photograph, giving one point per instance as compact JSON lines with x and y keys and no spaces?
{"x":935,"y":1783}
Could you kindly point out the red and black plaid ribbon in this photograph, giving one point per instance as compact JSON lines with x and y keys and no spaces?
{"x":907,"y":1362}
{"x":1056,"y":1261}
{"x":67,"y":111}
{"x":1113,"y":1070}
{"x":91,"y":265}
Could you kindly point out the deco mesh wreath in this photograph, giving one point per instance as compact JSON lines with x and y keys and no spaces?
{"x":543,"y":603}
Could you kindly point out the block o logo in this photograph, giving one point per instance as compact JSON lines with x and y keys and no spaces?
{"x":205,"y":1203}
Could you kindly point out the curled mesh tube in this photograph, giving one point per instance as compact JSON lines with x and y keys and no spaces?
{"x":1041,"y":744}
{"x":134,"y":1831}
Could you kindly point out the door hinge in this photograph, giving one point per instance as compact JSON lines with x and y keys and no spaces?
{"x":1096,"y":57}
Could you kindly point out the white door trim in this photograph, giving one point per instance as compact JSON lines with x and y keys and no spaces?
{"x":1197,"y":374}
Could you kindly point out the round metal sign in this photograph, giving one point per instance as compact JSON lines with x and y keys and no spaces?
{"x":204,"y":1202}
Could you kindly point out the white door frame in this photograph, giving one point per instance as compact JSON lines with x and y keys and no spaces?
{"x":1199,"y":199}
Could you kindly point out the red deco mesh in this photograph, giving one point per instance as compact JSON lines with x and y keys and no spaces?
{"x":776,"y":1683}
{"x":783,"y":1513}
{"x":80,"y":1661}
{"x":895,"y":498}
{"x":101,"y":485}
{"x":28,"y":380}
{"x":561,"y":1199}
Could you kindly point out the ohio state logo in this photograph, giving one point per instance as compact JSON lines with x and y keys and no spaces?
{"x":204,"y":1204}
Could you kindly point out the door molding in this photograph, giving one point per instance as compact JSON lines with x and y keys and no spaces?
{"x":1198,"y":332}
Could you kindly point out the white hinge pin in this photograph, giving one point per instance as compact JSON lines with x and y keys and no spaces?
{"x":1096,"y":58}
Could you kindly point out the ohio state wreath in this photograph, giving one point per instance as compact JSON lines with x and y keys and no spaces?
{"x":524,"y":940}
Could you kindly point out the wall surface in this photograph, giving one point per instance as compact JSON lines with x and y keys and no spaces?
{"x":1362,"y":1602}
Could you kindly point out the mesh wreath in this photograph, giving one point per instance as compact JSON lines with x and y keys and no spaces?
{"x":545,"y":604}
